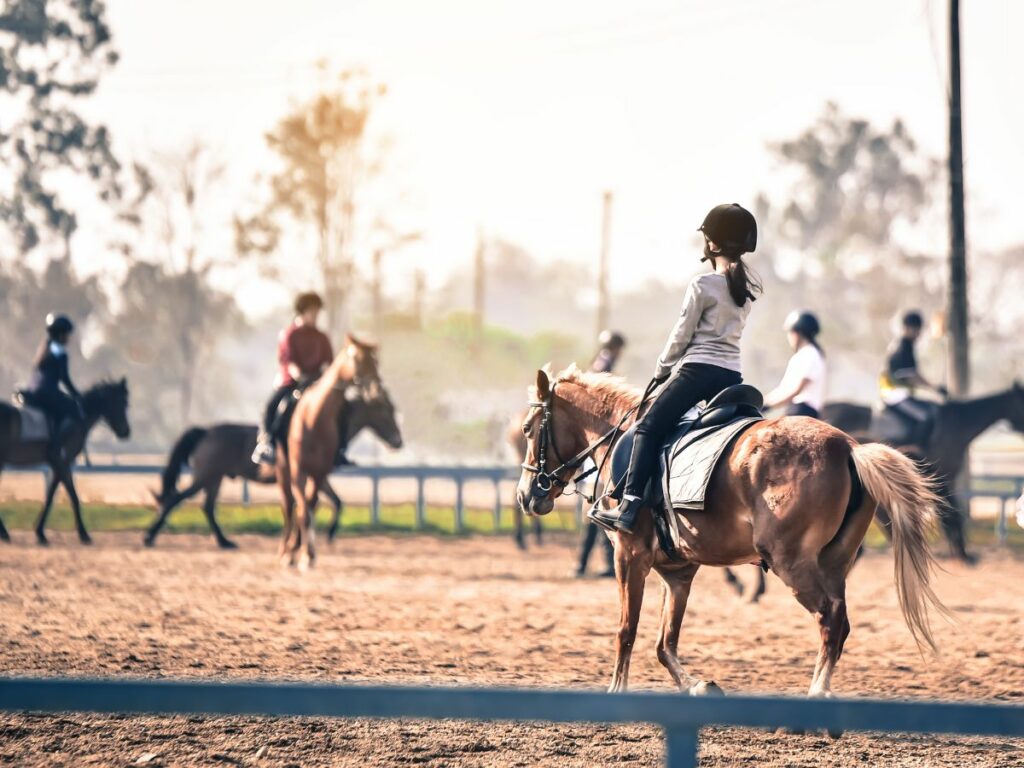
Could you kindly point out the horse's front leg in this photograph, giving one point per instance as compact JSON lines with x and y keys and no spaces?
{"x":68,"y":481}
{"x":633,"y":561}
{"x":677,"y":591}
{"x":284,"y":487}
{"x":306,"y":488}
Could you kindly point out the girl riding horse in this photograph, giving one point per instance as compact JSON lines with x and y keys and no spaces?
{"x":702,"y":356}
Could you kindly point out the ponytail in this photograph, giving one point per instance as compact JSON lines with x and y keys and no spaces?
{"x":743,"y":283}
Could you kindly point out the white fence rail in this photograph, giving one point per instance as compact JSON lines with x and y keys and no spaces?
{"x":1003,"y":488}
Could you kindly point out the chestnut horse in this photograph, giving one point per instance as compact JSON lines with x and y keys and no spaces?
{"x":793,"y":492}
{"x":313,"y":440}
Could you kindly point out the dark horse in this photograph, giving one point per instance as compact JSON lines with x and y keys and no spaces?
{"x":106,"y":401}
{"x":957,"y":424}
{"x":224,"y":450}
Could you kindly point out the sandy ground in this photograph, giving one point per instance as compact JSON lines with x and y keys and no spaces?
{"x":470,"y":611}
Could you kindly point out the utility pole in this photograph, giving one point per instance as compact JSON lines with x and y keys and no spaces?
{"x":958,"y":322}
{"x":602,"y":270}
{"x":419,"y":286}
{"x":479,"y":285}
{"x":378,"y":309}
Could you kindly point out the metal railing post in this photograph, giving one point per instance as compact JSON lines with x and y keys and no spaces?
{"x":421,"y":502}
{"x":497,"y":504}
{"x":460,"y":509}
{"x":681,"y":747}
{"x":1001,"y":520}
{"x":375,"y":500}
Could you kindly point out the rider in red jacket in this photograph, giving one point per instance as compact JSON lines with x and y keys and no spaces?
{"x":303,"y":351}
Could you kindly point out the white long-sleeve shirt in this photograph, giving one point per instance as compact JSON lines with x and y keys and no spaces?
{"x":709,"y":327}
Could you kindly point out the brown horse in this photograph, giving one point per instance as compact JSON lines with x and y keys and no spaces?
{"x":313,"y":440}
{"x":225,"y":450}
{"x":794,"y":493}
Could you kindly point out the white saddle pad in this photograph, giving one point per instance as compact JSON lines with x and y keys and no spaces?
{"x":35,"y":427}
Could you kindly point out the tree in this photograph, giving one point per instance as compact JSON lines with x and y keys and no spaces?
{"x":27,"y":296}
{"x":849,"y":227}
{"x":166,"y":336}
{"x":167,"y":290}
{"x":52,"y":53}
{"x":323,"y":165}
{"x":854,"y":185}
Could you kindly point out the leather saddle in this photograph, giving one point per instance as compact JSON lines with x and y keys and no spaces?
{"x":735,"y":402}
{"x":740,"y":402}
{"x":36,"y":424}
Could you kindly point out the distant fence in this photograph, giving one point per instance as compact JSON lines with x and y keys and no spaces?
{"x":681,"y":717}
{"x":1004,"y":488}
{"x":420,"y":473}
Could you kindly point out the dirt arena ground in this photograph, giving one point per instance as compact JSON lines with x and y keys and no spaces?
{"x":462,"y":611}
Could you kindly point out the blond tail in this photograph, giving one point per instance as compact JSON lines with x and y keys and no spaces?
{"x":893,"y":480}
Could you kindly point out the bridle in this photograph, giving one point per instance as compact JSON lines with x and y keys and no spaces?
{"x":544,"y":479}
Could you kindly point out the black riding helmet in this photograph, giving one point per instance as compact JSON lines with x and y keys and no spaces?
{"x":609,"y":338}
{"x":732,"y":228}
{"x":913,"y":319}
{"x":58,"y":325}
{"x":803,"y":323}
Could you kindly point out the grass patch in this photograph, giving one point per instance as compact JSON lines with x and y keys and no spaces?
{"x":394,"y":518}
{"x":266,"y":518}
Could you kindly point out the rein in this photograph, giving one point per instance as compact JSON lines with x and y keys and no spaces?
{"x":545,"y":479}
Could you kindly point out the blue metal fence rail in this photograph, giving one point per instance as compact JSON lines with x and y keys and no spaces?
{"x":681,"y":717}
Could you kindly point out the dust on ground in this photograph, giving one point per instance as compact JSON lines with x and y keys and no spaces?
{"x":424,"y":610}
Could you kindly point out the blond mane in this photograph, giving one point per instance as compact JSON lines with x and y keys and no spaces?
{"x":600,"y":397}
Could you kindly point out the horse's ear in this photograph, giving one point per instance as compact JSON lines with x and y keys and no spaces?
{"x":543,"y":385}
{"x":123,"y":383}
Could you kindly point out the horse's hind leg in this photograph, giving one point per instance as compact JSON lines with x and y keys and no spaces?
{"x":677,"y":592}
{"x":734,"y":581}
{"x":4,"y":535}
{"x":165,"y":511}
{"x":337,"y":507}
{"x":210,"y":510}
{"x":68,"y":481}
{"x":44,"y":513}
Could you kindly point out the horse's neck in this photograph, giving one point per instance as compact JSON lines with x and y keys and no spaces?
{"x":962,"y":422}
{"x":595,"y":416}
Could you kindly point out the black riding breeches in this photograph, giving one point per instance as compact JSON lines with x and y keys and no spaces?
{"x":691,"y":383}
{"x":274,"y":406}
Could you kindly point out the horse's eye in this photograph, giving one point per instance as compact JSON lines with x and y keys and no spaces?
{"x":526,"y":430}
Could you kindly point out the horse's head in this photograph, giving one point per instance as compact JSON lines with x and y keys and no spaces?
{"x":552,"y":435}
{"x":365,"y":368}
{"x":109,"y":401}
{"x":1016,"y":415}
{"x":377,"y":413}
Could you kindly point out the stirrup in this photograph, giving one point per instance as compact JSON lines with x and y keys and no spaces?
{"x":264,"y":452}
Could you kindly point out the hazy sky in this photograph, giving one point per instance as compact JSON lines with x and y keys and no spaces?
{"x":514,"y":116}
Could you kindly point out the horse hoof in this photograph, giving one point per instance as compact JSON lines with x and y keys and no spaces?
{"x":706,"y":688}
{"x":84,"y":539}
{"x":148,"y":541}
{"x":41,"y":539}
{"x":227,"y":544}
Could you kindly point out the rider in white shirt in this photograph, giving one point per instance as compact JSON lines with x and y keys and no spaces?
{"x":802,"y":388}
